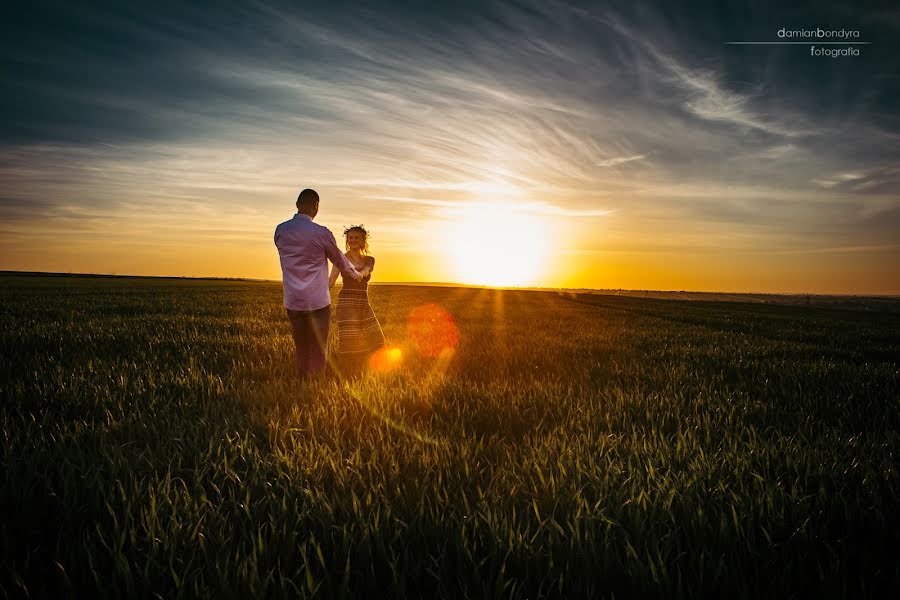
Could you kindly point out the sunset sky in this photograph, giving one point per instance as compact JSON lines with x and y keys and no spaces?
{"x":534,"y":143}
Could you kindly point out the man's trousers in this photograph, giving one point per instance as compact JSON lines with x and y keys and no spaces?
{"x":310,"y":331}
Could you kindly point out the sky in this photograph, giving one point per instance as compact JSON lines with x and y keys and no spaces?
{"x":536,"y":143}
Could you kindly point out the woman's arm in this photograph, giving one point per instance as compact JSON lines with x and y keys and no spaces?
{"x":367,"y":270}
{"x":333,"y":277}
{"x":337,"y":257}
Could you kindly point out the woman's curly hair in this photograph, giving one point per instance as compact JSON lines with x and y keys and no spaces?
{"x":359,"y":229}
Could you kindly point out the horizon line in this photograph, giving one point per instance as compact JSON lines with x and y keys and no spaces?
{"x":892,"y":295}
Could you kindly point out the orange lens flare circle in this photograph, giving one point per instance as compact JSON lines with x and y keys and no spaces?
{"x":432,"y":330}
{"x":386,"y":359}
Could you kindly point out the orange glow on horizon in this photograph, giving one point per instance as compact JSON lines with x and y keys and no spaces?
{"x":619,"y":251}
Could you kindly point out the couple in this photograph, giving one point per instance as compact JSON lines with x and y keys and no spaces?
{"x":304,"y":249}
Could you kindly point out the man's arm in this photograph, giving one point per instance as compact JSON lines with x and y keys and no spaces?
{"x":337,"y":257}
{"x":370,"y":266}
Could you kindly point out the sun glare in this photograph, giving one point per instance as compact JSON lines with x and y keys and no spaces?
{"x":497,"y":244}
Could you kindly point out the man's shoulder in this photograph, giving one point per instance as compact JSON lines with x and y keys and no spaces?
{"x":295,"y":223}
{"x":284,"y":224}
{"x":304,"y":225}
{"x":321,"y":229}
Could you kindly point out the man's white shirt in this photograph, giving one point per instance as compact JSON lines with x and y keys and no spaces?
{"x":304,"y":249}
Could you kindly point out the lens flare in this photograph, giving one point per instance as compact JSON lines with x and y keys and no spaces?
{"x":432,"y":331}
{"x":386,"y":359}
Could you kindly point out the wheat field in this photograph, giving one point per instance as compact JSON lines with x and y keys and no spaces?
{"x":156,"y":443}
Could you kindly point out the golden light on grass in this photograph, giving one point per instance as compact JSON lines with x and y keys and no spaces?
{"x":497,"y":244}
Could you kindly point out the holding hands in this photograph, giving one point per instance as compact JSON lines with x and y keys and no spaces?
{"x":355,"y":257}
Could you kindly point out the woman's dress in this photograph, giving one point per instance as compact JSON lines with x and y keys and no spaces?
{"x":359,"y":332}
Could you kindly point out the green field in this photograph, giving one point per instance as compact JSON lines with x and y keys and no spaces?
{"x":156,"y":442}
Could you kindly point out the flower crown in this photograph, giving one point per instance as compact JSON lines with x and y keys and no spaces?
{"x":358,"y":227}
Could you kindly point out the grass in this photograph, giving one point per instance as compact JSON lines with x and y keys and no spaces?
{"x":155,"y":443}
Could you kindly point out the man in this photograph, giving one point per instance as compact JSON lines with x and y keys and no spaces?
{"x":304,"y":249}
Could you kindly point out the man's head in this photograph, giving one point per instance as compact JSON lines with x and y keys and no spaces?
{"x":308,"y":203}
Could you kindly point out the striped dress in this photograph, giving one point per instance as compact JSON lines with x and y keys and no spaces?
{"x":359,"y":332}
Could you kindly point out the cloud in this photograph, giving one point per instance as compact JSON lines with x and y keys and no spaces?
{"x":612,"y":162}
{"x":865,"y":249}
{"x":700,"y":90}
{"x":838,"y":179}
{"x":880,"y":180}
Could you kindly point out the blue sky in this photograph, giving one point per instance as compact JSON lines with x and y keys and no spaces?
{"x":170,"y":139}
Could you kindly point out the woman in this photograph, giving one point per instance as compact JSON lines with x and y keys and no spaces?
{"x":359,"y":333}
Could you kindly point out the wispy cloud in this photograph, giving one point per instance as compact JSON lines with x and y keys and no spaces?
{"x":838,"y":179}
{"x":880,"y":180}
{"x":612,"y":162}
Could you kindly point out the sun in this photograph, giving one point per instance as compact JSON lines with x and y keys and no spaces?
{"x":498,"y":245}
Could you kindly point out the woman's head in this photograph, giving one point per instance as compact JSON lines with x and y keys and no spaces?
{"x":357,"y":238}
